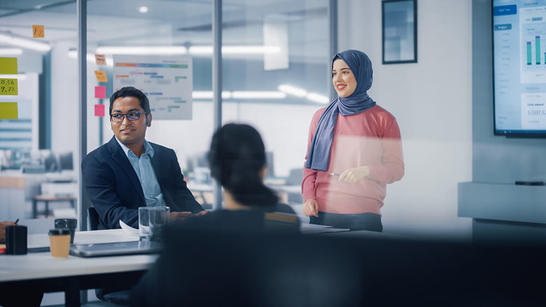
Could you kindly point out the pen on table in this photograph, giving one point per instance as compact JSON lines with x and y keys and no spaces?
{"x":335,"y":174}
{"x":16,"y":221}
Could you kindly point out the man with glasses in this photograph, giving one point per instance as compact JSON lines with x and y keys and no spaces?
{"x":129,"y":172}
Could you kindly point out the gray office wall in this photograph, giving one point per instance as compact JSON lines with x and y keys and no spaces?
{"x":496,"y":159}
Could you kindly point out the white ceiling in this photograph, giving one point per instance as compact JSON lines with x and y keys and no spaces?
{"x":170,"y":22}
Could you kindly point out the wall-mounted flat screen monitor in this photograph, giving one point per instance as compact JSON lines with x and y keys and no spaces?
{"x":519,"y":66}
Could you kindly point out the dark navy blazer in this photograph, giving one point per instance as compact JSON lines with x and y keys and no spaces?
{"x":113,"y":187}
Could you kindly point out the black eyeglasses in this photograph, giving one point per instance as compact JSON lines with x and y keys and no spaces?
{"x":132,"y":116}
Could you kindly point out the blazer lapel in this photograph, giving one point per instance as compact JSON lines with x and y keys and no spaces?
{"x":121,"y":159}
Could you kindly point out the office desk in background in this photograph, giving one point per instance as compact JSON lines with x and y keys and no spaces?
{"x":18,"y":190}
{"x":74,"y":273}
{"x":504,"y":213}
{"x":288,"y":194}
{"x":46,"y":199}
{"x":203,"y":193}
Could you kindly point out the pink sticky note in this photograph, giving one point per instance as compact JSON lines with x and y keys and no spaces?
{"x":99,"y":110}
{"x":100,"y":92}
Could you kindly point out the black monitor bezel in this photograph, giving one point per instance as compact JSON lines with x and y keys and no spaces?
{"x":509,"y":133}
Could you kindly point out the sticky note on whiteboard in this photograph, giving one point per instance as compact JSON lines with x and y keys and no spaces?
{"x":100,"y":92}
{"x":8,"y":66}
{"x":99,"y":110}
{"x":8,"y":87}
{"x":100,"y":59}
{"x":8,"y":110}
{"x":37,"y":31}
{"x":101,"y":76}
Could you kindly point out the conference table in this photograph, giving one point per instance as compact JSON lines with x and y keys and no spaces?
{"x":71,"y":275}
{"x":38,"y":270}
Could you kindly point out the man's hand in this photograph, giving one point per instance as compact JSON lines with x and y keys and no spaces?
{"x":354,"y":175}
{"x":179,"y":216}
{"x":310,"y":207}
{"x":3,"y":230}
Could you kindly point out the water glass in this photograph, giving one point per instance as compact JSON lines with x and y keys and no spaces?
{"x":151,"y":220}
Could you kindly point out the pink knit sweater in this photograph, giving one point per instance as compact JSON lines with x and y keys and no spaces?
{"x":369,"y":138}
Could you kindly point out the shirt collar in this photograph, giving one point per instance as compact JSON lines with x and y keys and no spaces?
{"x":148,"y":149}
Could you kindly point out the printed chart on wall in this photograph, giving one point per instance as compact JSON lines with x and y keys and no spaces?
{"x":166,"y":80}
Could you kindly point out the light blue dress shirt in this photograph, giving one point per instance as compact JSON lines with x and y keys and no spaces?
{"x":146,"y":175}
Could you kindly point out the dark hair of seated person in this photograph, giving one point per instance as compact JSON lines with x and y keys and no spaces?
{"x":237,"y":161}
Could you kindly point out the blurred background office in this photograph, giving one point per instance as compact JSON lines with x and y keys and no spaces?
{"x":256,"y":84}
{"x":275,"y":73}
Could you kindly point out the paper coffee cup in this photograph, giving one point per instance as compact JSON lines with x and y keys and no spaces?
{"x":59,"y":242}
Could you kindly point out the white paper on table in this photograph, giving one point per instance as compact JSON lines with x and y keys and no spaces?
{"x":127,"y":227}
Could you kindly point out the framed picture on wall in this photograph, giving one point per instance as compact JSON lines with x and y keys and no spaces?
{"x":399,"y":31}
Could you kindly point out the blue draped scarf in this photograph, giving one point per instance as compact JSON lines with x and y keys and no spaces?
{"x":361,"y":67}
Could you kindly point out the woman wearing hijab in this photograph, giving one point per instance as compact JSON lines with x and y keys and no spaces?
{"x":354,"y":150}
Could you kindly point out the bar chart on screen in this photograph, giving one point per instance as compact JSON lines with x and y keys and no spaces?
{"x":533,"y":51}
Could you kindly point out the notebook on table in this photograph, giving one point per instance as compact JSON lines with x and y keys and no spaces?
{"x":115,"y":249}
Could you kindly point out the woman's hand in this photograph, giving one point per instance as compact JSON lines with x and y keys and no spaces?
{"x":310,"y":207}
{"x":354,"y":175}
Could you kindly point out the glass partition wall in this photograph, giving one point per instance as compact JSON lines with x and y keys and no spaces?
{"x":275,"y":75}
{"x":37,"y":140}
{"x":270,"y":57}
{"x":163,"y":48}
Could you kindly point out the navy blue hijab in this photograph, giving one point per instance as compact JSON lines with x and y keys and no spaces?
{"x":358,"y":101}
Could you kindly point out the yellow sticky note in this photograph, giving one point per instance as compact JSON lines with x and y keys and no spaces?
{"x":37,"y":31}
{"x":8,"y":110}
{"x":8,"y":86}
{"x":101,"y":76}
{"x":8,"y":66}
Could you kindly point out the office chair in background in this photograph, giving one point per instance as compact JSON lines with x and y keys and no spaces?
{"x":92,"y":219}
{"x":120,"y":297}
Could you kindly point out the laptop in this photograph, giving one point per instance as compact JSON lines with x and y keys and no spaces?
{"x":115,"y":249}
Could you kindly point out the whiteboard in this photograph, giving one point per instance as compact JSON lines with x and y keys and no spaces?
{"x":166,"y":81}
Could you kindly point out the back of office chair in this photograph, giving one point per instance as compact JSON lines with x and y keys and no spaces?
{"x":92,"y":218}
{"x":111,"y":295}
